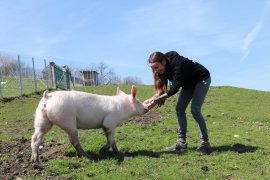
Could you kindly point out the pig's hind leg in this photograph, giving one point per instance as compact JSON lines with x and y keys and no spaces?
{"x":42,"y":126}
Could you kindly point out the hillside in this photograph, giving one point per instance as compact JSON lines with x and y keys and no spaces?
{"x":238,"y":122}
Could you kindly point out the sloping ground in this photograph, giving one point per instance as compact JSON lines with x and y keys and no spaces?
{"x":238,"y":120}
{"x":18,"y":152}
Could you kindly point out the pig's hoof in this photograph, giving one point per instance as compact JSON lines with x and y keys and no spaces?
{"x":34,"y":159}
{"x":84,"y":155}
{"x":103,"y":150}
{"x":116,"y":152}
{"x":115,"y":149}
{"x":88,"y":156}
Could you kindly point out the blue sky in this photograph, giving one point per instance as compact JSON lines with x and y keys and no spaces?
{"x":231,"y":38}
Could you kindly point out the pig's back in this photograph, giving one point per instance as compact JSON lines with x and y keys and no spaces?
{"x":92,"y":109}
{"x":86,"y":110}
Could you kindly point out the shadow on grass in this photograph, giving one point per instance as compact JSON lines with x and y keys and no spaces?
{"x":124,"y":156}
{"x":153,"y":154}
{"x":239,"y":148}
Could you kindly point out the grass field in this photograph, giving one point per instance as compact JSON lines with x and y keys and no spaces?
{"x":238,"y":123}
{"x":12,"y":88}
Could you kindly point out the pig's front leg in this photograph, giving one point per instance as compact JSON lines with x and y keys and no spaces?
{"x":110,"y":142}
{"x":114,"y":148}
{"x":107,"y":146}
{"x":73,"y":136}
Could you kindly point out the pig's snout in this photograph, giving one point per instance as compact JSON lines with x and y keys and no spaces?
{"x":145,"y":108}
{"x":145,"y":111}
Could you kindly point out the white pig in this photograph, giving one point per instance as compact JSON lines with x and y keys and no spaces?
{"x":72,"y":110}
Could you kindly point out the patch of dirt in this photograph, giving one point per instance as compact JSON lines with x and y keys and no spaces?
{"x":167,"y":130}
{"x":266,"y":153}
{"x":147,"y":118}
{"x":15,"y":157}
{"x":260,"y":125}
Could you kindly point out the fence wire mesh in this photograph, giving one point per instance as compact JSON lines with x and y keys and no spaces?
{"x":21,"y":74}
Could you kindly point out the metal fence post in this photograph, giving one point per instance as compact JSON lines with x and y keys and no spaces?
{"x":34,"y":72}
{"x":20,"y":74}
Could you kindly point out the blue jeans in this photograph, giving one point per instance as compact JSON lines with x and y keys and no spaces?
{"x":197,"y":95}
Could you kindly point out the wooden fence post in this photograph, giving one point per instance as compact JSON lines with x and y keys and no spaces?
{"x":34,"y":72}
{"x":20,"y":74}
{"x":46,"y":74}
{"x":1,"y":95}
{"x":52,"y":64}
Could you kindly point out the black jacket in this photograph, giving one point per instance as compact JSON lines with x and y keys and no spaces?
{"x":183,"y":72}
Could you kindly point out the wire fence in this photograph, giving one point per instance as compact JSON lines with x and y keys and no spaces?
{"x":24,"y":75}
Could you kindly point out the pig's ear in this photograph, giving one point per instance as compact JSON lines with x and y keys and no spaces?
{"x":133,"y":91}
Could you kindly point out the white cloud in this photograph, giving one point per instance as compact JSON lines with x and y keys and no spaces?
{"x":251,"y":36}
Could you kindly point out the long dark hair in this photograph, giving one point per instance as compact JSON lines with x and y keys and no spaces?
{"x":160,"y":81}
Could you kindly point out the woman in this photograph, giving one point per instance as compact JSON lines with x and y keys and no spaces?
{"x":194,"y":79}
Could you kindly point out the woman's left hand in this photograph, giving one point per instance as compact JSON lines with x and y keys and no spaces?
{"x":147,"y":101}
{"x":154,"y":100}
{"x":150,"y":102}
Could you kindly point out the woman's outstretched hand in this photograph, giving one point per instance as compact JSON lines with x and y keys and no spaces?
{"x":150,"y":103}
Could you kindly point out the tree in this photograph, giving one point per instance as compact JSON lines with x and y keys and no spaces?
{"x":132,"y":80}
{"x":8,"y":66}
{"x":115,"y":80}
{"x":106,"y":75}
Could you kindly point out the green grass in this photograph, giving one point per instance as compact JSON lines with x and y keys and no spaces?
{"x":238,"y":122}
{"x":12,"y":89}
